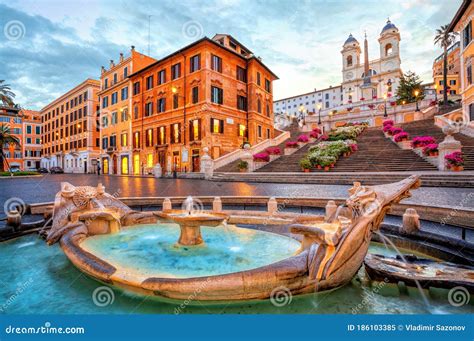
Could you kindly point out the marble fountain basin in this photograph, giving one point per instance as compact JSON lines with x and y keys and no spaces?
{"x":222,"y":262}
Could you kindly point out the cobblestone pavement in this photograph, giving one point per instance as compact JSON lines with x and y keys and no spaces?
{"x":43,"y":189}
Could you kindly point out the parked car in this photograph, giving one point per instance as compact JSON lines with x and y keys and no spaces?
{"x":42,"y":170}
{"x":56,"y":170}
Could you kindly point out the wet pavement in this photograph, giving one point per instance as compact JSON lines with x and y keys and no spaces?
{"x":43,"y":189}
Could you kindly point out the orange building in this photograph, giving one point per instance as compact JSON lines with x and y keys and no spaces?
{"x":463,"y":23}
{"x":453,"y":77}
{"x":32,"y":145}
{"x":10,"y":116}
{"x":212,"y":93}
{"x":70,"y":129}
{"x":115,"y":122}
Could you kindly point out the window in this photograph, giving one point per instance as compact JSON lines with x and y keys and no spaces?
{"x":161,"y":77}
{"x":175,"y":101}
{"x":114,"y":97}
{"x":268,"y":133}
{"x":471,"y":112}
{"x":124,"y":139}
{"x":115,"y":81}
{"x":136,"y":88}
{"x":149,"y":82}
{"x":105,"y":142}
{"x":124,"y":115}
{"x":161,"y":104}
{"x":136,"y":139}
{"x":161,"y":135}
{"x":241,"y":74}
{"x":28,"y":140}
{"x":124,"y":93}
{"x":259,"y":131}
{"x":195,"y":63}
{"x":258,"y":78}
{"x":217,"y":126}
{"x":267,"y":110}
{"x":195,"y":130}
{"x":176,"y":71}
{"x":349,"y":61}
{"x":113,"y":141}
{"x":148,"y":108}
{"x":467,"y":34}
{"x":241,"y":130}
{"x":217,"y":95}
{"x":175,"y":133}
{"x":149,"y":138}
{"x":105,"y":102}
{"x":259,"y":106}
{"x":388,"y":49}
{"x":38,"y":130}
{"x":452,"y":82}
{"x":241,"y":102}
{"x":28,"y":129}
{"x":106,"y":84}
{"x":114,"y":119}
{"x":268,"y":85}
{"x":327,"y":105}
{"x":469,"y":74}
{"x":125,"y":72}
{"x":105,"y":122}
{"x":195,"y":94}
{"x":216,"y":63}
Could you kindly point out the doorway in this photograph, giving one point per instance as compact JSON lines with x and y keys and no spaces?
{"x":124,"y":165}
{"x":114,"y":164}
{"x":105,"y":166}
{"x":85,"y":167}
{"x":176,"y":161}
{"x":136,"y":164}
{"x":195,"y":161}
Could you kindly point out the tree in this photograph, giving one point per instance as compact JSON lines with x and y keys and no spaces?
{"x":6,"y":95}
{"x":6,"y":138}
{"x":409,"y":84}
{"x":445,"y":39}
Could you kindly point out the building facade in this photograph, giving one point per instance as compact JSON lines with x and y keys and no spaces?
{"x":32,"y":143}
{"x":310,"y":102}
{"x":71,"y":133}
{"x":367,"y":79}
{"x":213,"y":93}
{"x":463,"y":23}
{"x":11,"y":117}
{"x":115,"y":121}
{"x":453,"y":76}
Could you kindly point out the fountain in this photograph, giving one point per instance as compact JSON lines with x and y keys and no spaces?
{"x":231,"y":263}
{"x":191,"y":220}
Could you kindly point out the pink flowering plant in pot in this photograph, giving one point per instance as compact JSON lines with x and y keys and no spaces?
{"x":387,"y":129}
{"x":431,"y":149}
{"x":395,"y":130}
{"x":303,"y":139}
{"x":261,"y":157}
{"x":422,"y":141}
{"x":313,"y":135}
{"x":454,"y":161}
{"x":402,"y":136}
{"x":291,"y":144}
{"x":324,"y":137}
{"x":387,"y":123}
{"x":317,"y":130}
{"x":273,"y":151}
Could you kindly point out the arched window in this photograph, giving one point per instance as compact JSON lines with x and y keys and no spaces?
{"x":349,"y":61}
{"x":388,"y":49}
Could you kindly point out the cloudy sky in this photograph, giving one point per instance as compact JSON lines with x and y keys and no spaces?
{"x":49,"y":46}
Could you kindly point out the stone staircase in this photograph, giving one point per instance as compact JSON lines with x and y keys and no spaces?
{"x":378,"y":154}
{"x":287,"y":163}
{"x":294,"y":133}
{"x":428,"y":128}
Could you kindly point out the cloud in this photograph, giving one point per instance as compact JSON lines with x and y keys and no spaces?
{"x":66,"y":42}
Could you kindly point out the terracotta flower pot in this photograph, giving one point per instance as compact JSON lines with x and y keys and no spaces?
{"x":305,"y":170}
{"x":326,"y":168}
{"x":433,"y":153}
{"x":319,"y":167}
{"x":243,"y":170}
{"x":332,"y":165}
{"x":457,"y":168}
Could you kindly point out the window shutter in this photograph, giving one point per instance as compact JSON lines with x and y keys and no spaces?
{"x":199,"y":129}
{"x":212,"y":125}
{"x":221,"y":96}
{"x":221,"y":126}
{"x":191,"y":135}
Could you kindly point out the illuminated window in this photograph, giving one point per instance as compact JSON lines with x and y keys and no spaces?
{"x":149,"y":160}
{"x":162,"y":135}
{"x":136,"y":139}
{"x":195,"y":130}
{"x":242,"y":130}
{"x":176,"y":136}
{"x":124,"y":139}
{"x":149,"y":137}
{"x":217,"y":126}
{"x":136,"y":164}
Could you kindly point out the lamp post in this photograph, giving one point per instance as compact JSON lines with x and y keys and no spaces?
{"x":385,"y":106}
{"x":302,"y":112}
{"x":319,"y":114}
{"x":416,"y":93}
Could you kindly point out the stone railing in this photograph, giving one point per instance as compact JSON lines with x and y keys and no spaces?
{"x":259,"y":147}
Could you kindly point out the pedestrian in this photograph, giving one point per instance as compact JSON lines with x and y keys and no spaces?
{"x":98,"y":168}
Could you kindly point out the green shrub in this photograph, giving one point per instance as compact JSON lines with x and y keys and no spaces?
{"x":305,"y":163}
{"x":21,"y":173}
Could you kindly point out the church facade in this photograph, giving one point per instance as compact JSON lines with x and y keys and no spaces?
{"x":364,"y":79}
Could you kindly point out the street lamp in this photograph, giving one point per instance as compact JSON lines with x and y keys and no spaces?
{"x":417,"y":92}
{"x":319,"y":114}
{"x":302,"y":111}
{"x":385,"y":106}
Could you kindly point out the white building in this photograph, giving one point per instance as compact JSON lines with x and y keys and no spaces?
{"x":326,"y":98}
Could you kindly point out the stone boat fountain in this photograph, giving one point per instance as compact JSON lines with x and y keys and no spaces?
{"x":137,"y":250}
